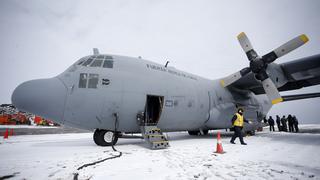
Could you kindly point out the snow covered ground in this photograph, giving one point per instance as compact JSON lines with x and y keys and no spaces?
{"x":277,"y":155}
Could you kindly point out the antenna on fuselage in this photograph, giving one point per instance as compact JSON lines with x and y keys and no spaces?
{"x":96,"y":51}
{"x":167,"y":63}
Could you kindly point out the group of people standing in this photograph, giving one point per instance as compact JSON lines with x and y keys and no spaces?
{"x":286,"y":124}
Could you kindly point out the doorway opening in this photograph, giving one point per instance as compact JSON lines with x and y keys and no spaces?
{"x":153,"y":109}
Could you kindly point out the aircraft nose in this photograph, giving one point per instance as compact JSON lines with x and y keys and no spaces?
{"x":43,"y":97}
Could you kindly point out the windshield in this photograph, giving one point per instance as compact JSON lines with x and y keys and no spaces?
{"x":103,"y":61}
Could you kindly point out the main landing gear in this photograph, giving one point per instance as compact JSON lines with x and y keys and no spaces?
{"x":105,"y":137}
{"x":196,"y":133}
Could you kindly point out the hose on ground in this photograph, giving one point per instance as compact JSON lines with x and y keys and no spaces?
{"x":75,"y":177}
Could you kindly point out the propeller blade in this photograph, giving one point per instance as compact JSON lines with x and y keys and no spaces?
{"x":246,"y":46}
{"x":234,"y":77}
{"x":271,"y":91}
{"x":286,"y":48}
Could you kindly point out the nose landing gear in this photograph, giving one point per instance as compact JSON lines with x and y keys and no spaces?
{"x":105,"y":137}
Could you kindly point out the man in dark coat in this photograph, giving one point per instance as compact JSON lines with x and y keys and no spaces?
{"x":295,"y":123}
{"x":271,"y":123}
{"x":265,"y":120}
{"x":278,"y":122}
{"x":284,"y":124}
{"x":290,"y":123}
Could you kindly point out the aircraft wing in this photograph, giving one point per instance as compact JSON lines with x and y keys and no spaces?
{"x":288,"y":76}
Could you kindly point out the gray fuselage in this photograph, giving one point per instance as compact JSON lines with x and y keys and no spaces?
{"x":88,"y":97}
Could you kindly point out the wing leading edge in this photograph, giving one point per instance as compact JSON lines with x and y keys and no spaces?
{"x":288,"y":76}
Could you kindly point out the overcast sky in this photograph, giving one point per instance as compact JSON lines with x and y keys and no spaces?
{"x":40,"y":39}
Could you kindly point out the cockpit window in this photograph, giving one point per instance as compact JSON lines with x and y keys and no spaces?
{"x":93,"y":80}
{"x":87,"y":62}
{"x":88,"y":80}
{"x":108,"y":63}
{"x":83,"y":80}
{"x":96,"y":63}
{"x":82,"y":60}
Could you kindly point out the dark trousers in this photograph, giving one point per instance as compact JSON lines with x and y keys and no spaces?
{"x":237,"y":133}
{"x":290,"y":127}
{"x":284,"y":128}
{"x":271,"y":127}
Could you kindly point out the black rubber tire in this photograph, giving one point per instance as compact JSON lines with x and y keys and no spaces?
{"x":98,"y":138}
{"x":251,"y":133}
{"x":194,"y":133}
{"x":205,"y":132}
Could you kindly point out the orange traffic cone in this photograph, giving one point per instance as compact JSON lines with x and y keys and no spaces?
{"x":11,"y":132}
{"x":219,"y":145}
{"x":6,"y":134}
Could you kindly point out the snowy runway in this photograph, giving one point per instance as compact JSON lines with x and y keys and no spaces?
{"x":267,"y":156}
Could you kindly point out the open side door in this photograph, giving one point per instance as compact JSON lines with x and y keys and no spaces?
{"x":153,"y":109}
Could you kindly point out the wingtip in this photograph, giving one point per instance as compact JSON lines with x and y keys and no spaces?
{"x":304,"y":38}
{"x":241,"y":35}
{"x":276,"y":101}
{"x":222,"y":83}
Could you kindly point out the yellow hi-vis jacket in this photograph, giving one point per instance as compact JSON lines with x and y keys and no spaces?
{"x":239,"y":120}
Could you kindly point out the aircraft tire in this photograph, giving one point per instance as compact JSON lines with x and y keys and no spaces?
{"x":104,"y":137}
{"x":205,"y":132}
{"x":194,"y":133}
{"x":251,"y":133}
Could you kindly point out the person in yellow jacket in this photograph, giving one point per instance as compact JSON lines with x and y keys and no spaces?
{"x":237,"y":123}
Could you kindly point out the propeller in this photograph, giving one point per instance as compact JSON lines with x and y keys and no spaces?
{"x":258,"y":65}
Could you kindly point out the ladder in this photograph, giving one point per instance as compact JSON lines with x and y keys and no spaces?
{"x":153,"y":137}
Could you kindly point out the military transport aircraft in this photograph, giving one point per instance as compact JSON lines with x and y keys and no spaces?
{"x":117,"y":95}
